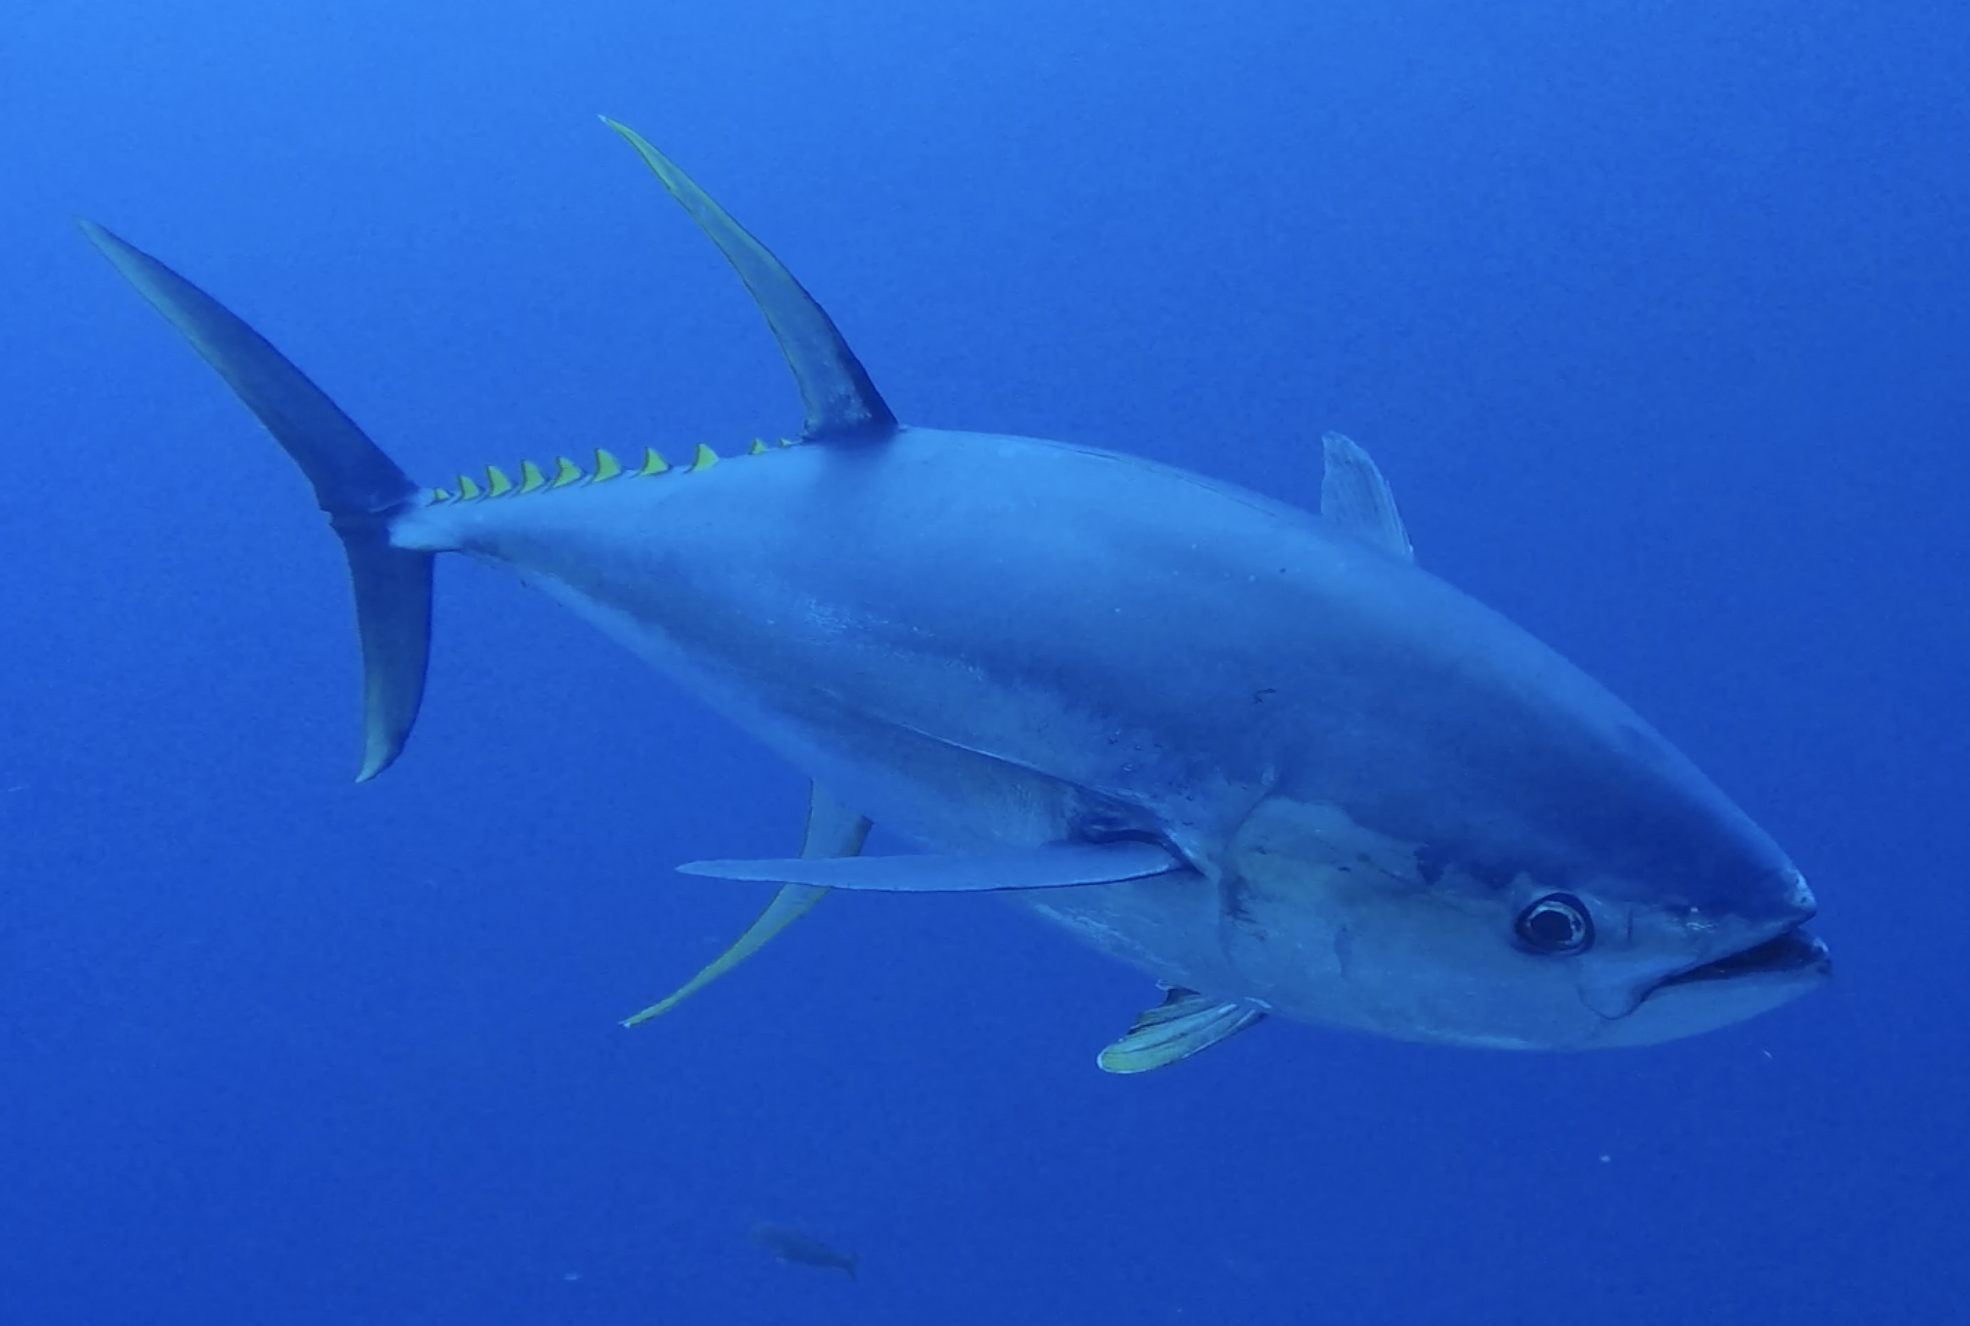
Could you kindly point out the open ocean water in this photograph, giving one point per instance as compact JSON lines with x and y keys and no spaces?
{"x":1655,"y":313}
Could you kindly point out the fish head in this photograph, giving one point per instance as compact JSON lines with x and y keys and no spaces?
{"x":1324,"y":920}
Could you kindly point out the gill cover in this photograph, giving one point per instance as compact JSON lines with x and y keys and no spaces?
{"x":359,"y":487}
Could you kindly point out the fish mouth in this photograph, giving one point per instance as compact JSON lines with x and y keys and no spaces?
{"x":1790,"y":952}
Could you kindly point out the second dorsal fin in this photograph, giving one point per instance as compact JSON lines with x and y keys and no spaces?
{"x":1355,"y":498}
{"x":841,"y":402}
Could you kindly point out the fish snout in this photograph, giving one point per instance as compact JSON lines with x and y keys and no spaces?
{"x":1796,"y":897}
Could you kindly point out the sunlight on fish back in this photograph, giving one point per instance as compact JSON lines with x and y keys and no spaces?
{"x":1253,"y":751}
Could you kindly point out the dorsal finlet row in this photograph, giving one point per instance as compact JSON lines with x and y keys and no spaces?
{"x":567,"y":473}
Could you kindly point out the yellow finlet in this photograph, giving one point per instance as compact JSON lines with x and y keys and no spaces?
{"x":703,"y":460}
{"x":786,"y":441}
{"x":467,"y":490}
{"x":439,"y":495}
{"x":565,"y":472}
{"x":531,"y":479}
{"x":758,"y":448}
{"x":497,"y":484}
{"x":606,"y":466}
{"x":652,"y":463}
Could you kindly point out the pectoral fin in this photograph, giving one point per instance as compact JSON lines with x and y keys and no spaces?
{"x":1059,"y":866}
{"x":832,"y":830}
{"x":1183,"y":1024}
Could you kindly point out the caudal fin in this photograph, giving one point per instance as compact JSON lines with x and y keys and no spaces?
{"x":359,"y":487}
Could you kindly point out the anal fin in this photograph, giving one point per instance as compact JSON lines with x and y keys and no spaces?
{"x":1185,"y":1023}
{"x":832,"y":830}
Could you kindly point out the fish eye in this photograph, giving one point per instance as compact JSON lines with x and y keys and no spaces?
{"x":1556,"y":923}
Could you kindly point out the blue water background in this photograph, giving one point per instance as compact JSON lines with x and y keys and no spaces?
{"x":1655,"y":314}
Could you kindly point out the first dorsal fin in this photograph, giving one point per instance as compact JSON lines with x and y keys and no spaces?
{"x":841,"y":402}
{"x":1355,"y":498}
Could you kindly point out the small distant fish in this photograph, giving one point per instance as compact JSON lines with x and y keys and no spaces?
{"x":790,"y":1245}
